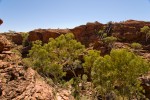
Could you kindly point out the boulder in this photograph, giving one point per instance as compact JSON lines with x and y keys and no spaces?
{"x":4,"y":44}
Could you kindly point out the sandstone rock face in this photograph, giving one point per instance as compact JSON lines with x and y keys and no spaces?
{"x":17,"y":38}
{"x":44,"y":35}
{"x":5,"y":45}
{"x":18,"y":83}
{"x":86,"y":34}
{"x":129,"y":30}
{"x":14,"y":37}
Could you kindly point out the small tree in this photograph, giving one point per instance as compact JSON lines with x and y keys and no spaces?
{"x":51,"y":59}
{"x":89,"y":59}
{"x":118,"y":73}
{"x":146,"y":30}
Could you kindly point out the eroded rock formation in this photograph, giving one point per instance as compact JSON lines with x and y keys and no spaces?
{"x":128,"y":31}
{"x":45,"y":34}
{"x":20,"y":83}
{"x":86,"y":34}
{"x":5,"y":45}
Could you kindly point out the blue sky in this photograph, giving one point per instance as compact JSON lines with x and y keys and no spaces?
{"x":26,"y":15}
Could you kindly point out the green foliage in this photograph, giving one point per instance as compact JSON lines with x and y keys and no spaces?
{"x":136,"y":45}
{"x":25,"y":37}
{"x":84,"y":77}
{"x":115,"y":73}
{"x":101,"y":34}
{"x":120,"y":69}
{"x":51,"y":58}
{"x":146,"y":30}
{"x":110,"y":39}
{"x":17,"y":52}
{"x":89,"y":59}
{"x":27,"y":62}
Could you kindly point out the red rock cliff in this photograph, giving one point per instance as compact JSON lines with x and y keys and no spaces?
{"x":86,"y":34}
{"x":128,"y":31}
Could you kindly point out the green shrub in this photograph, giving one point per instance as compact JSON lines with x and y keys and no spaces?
{"x":89,"y":59}
{"x":146,"y":30}
{"x":50,"y":59}
{"x":25,"y":37}
{"x":101,"y":34}
{"x":136,"y":45}
{"x":118,"y":73}
{"x":109,"y":41}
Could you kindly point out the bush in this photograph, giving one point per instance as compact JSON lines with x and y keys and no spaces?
{"x":118,"y":73}
{"x":51,"y":58}
{"x":146,"y":30}
{"x":136,"y":45}
{"x":25,"y":37}
{"x":110,"y":39}
{"x":89,"y":59}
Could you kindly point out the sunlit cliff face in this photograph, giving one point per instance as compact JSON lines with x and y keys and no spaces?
{"x":1,"y":21}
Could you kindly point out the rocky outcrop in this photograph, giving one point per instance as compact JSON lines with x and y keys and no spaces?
{"x":129,"y":31}
{"x":5,"y":45}
{"x":21,"y":83}
{"x":17,"y":38}
{"x":86,"y":34}
{"x":45,"y":34}
{"x":18,"y":84}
